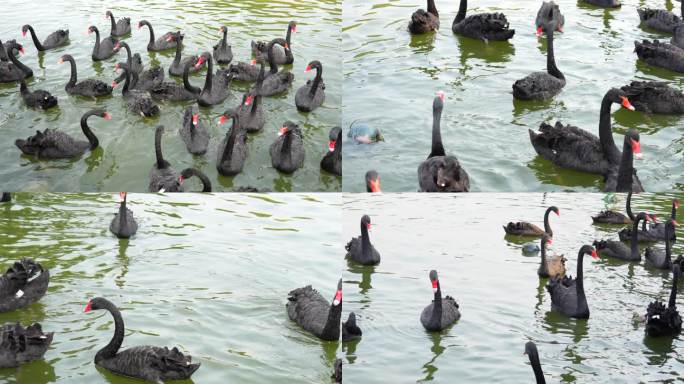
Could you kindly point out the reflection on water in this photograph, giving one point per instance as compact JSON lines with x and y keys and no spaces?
{"x":502,"y":300}
{"x":207,"y":273}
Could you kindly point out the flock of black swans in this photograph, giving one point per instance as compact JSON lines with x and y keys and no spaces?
{"x":564,"y":145}
{"x":144,"y":88}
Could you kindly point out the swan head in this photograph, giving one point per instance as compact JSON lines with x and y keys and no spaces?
{"x":373,"y":181}
{"x":338,"y":294}
{"x":635,"y":144}
{"x":434,"y":280}
{"x":366,"y":220}
{"x":293,"y":26}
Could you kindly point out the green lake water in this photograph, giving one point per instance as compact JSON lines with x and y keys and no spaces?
{"x":207,"y":273}
{"x":127,"y":141}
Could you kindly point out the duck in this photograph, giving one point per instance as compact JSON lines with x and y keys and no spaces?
{"x":21,"y":345}
{"x":442,"y":312}
{"x":232,"y":150}
{"x":311,"y":95}
{"x":163,"y":178}
{"x":662,"y":320}
{"x":655,"y":97}
{"x":87,"y":87}
{"x":315,"y":314}
{"x":104,"y":49}
{"x":567,"y":294}
{"x":38,"y":98}
{"x":550,"y":266}
{"x":482,"y":26}
{"x":287,"y":151}
{"x":54,"y":144}
{"x":657,"y":258}
{"x":145,"y":362}
{"x":441,"y":172}
{"x":332,"y":161}
{"x":58,"y":38}
{"x":570,"y":147}
{"x":194,"y":132}
{"x":618,"y":250}
{"x":351,"y":331}
{"x":373,"y":181}
{"x":423,"y":21}
{"x":613,"y":217}
{"x":123,"y":224}
{"x":24,"y":283}
{"x":523,"y":228}
{"x":360,"y":249}
{"x":541,"y":85}
{"x":281,"y":56}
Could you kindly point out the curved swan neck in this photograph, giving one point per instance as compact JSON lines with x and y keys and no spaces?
{"x":210,"y":75}
{"x":461,"y":11}
{"x":580,"y":278}
{"x":149,"y":26}
{"x":551,"y":67}
{"x":431,"y":8}
{"x":547,"y":226}
{"x":113,"y":23}
{"x":536,"y":367}
{"x":36,"y":42}
{"x":634,"y":241}
{"x":317,"y":79}
{"x":92,"y":139}
{"x":629,"y":206}
{"x":179,"y":48}
{"x":18,"y":63}
{"x":437,"y":146}
{"x":112,"y":348}
{"x":186,"y":80}
{"x":97,"y":40}
{"x":230,"y":141}
{"x":606,"y":132}
{"x":74,"y":75}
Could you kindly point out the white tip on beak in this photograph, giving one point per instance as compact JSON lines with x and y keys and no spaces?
{"x":434,"y":290}
{"x":336,"y":302}
{"x":639,"y":156}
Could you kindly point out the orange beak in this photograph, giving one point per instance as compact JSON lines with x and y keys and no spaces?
{"x":375,"y":186}
{"x":625,"y":103}
{"x":539,"y":31}
{"x":636,"y":149}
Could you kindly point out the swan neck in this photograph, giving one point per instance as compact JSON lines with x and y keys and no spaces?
{"x":437,"y":146}
{"x":271,"y":59}
{"x":161,"y":163}
{"x":673,"y":215}
{"x":606,"y":134}
{"x":672,"y":303}
{"x":97,"y":40}
{"x":113,"y":23}
{"x":112,"y":348}
{"x":582,"y":299}
{"x":331,"y":331}
{"x":461,"y":11}
{"x":365,"y":239}
{"x":210,"y":76}
{"x":18,"y":63}
{"x":186,"y":80}
{"x":626,"y":170}
{"x":179,"y":48}
{"x":36,"y":42}
{"x":74,"y":76}
{"x":536,"y":367}
{"x":436,"y":318}
{"x":151,"y":43}
{"x":317,"y":80}
{"x":634,"y":241}
{"x":287,"y":144}
{"x":230,"y":141}
{"x":432,"y":8}
{"x":547,"y":226}
{"x":629,"y":205}
{"x":550,"y":57}
{"x":92,"y":139}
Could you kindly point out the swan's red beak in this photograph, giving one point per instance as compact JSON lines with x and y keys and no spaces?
{"x":249,"y":100}
{"x":654,"y":218}
{"x":114,"y":84}
{"x":375,"y":185}
{"x":675,"y":223}
{"x":636,"y":149}
{"x":625,"y":103}
{"x":558,"y":213}
{"x":222,"y":119}
{"x":560,"y":28}
{"x":676,"y":204}
{"x":88,"y":307}
{"x":287,"y":46}
{"x":23,"y":33}
{"x":441,"y":95}
{"x":107,"y":116}
{"x":122,"y":196}
{"x":331,"y":145}
{"x":253,"y":62}
{"x":21,"y":50}
{"x":195,"y":119}
{"x":434,"y":285}
{"x":181,"y":179}
{"x":308,"y":68}
{"x":549,"y":241}
{"x":282,"y":131}
{"x":594,"y":254}
{"x":169,"y":38}
{"x":539,"y":31}
{"x":139,"y":25}
{"x":221,"y":29}
{"x":338,"y":297}
{"x":368,"y":226}
{"x":60,"y":61}
{"x":200,"y":62}
{"x":294,"y":28}
{"x":117,"y":46}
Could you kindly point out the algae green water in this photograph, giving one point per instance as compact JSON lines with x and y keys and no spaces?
{"x":207,"y":273}
{"x":390,"y":79}
{"x":502,"y":300}
{"x":127,"y":142}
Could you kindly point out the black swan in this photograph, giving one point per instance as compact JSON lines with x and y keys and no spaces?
{"x":658,"y":230}
{"x":123,"y":224}
{"x":439,"y":172}
{"x":161,"y":44}
{"x":53,"y":144}
{"x":88,"y":87}
{"x":661,"y":55}
{"x":19,"y":345}
{"x":250,"y":111}
{"x":146,"y":362}
{"x":313,"y":313}
{"x":623,"y":178}
{"x":567,"y":294}
{"x":173,"y":91}
{"x":531,"y":352}
{"x":5,"y":48}
{"x":104,"y":49}
{"x":38,"y":98}
{"x":178,"y":65}
{"x":56,"y":39}
{"x":660,"y":19}
{"x":661,"y":320}
{"x":656,"y":258}
{"x":163,"y":178}
{"x":549,"y":12}
{"x":676,"y":40}
{"x":138,"y":101}
{"x":190,"y":172}
{"x":311,"y":95}
{"x":571,"y":147}
{"x":424,"y":21}
{"x":233,"y":150}
{"x":541,"y":85}
{"x":645,"y":235}
{"x":605,"y":3}
{"x":523,"y":228}
{"x":360,"y":248}
{"x":550,"y":266}
{"x":617,"y":249}
{"x":249,"y":72}
{"x":278,"y":82}
{"x":121,"y":27}
{"x":23,"y":284}
{"x":281,"y":56}
{"x":287,"y":151}
{"x":442,"y":312}
{"x":194,"y":132}
{"x":141,"y":79}
{"x":655,"y":97}
{"x":351,"y":331}
{"x":14,"y":70}
{"x":332,"y":161}
{"x":612,"y":217}
{"x":482,"y":26}
{"x":5,"y":197}
{"x":373,"y":181}
{"x":215,"y":89}
{"x":223,"y":53}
